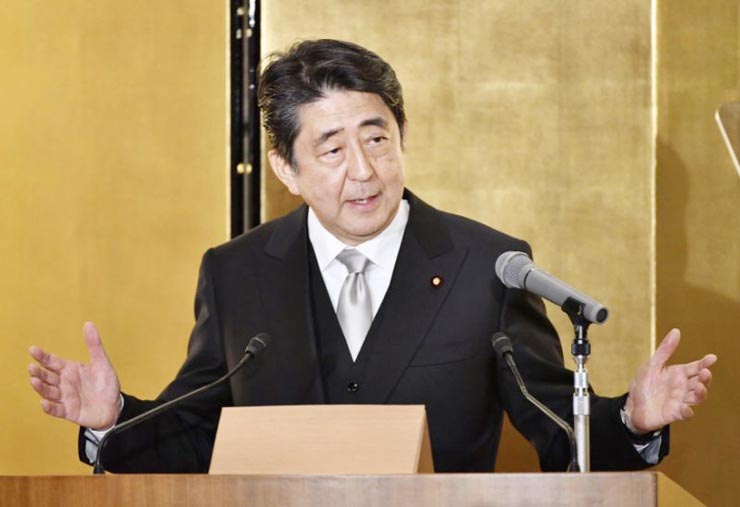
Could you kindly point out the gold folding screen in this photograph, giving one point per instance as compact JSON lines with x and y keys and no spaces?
{"x":586,"y":128}
{"x":698,"y":232}
{"x":560,"y":122}
{"x":113,"y":181}
{"x":533,"y":117}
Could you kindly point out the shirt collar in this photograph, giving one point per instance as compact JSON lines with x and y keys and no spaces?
{"x":381,"y":250}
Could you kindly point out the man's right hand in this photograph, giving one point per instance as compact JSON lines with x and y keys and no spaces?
{"x":86,"y":394}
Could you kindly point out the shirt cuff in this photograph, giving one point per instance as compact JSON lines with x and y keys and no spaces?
{"x":650,"y":452}
{"x":647,"y":446}
{"x":93,"y":438}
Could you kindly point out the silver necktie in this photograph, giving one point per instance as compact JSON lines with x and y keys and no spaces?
{"x":355,"y":309}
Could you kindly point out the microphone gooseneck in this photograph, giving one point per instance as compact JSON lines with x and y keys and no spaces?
{"x":255,"y":347}
{"x":505,"y":352}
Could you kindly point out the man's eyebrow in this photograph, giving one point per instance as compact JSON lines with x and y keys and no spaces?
{"x":326,"y":136}
{"x":378,"y":121}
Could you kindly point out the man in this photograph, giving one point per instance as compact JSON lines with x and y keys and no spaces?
{"x":371,"y":296}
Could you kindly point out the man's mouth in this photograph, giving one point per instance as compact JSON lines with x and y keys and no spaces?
{"x":364,"y":200}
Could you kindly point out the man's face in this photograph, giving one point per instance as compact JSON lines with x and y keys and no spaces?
{"x":349,"y":164}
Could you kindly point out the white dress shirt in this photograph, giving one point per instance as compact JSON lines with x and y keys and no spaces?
{"x":382,"y":250}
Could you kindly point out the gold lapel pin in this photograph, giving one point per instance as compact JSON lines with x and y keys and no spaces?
{"x":436,"y":281}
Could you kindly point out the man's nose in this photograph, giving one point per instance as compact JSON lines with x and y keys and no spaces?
{"x":360,"y":168}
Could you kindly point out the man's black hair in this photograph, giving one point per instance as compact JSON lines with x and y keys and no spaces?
{"x":307,"y":71}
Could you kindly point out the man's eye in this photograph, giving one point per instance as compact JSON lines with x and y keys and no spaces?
{"x":377,"y":139}
{"x":333,"y":151}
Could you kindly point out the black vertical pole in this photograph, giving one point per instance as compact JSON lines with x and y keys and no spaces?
{"x":245,"y":127}
{"x":236,"y":73}
{"x":252,"y":139}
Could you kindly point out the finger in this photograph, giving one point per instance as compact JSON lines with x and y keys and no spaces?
{"x":53,"y":408}
{"x":94,"y":343}
{"x":704,"y":376}
{"x":45,"y":375}
{"x":686,"y":412}
{"x":46,"y":391}
{"x":708,"y":360}
{"x":665,"y":350}
{"x":697,"y":395}
{"x":46,"y":359}
{"x":695,"y":383}
{"x":694,"y":367}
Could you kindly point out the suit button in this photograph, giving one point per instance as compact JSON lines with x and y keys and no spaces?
{"x":353,"y":387}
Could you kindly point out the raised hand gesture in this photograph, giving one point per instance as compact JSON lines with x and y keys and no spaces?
{"x":661,"y":394}
{"x":86,"y":394}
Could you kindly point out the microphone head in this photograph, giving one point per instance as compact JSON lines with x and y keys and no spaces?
{"x":512,"y":268}
{"x":502,"y":345}
{"x":258,"y":344}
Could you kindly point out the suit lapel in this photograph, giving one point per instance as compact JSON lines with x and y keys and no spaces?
{"x":412,"y":301}
{"x":403,"y":321}
{"x":285,"y":288}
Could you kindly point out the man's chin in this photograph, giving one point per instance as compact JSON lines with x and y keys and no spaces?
{"x":358,"y":233}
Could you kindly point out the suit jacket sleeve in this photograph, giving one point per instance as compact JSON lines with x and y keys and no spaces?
{"x":180,"y":440}
{"x":539,"y":357}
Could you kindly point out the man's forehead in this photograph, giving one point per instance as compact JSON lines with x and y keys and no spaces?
{"x":341,"y":110}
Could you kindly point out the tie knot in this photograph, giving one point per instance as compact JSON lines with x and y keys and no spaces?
{"x":353,"y":260}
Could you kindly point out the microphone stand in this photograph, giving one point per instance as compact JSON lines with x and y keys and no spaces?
{"x":580,"y":350}
{"x":255,"y":347}
{"x":505,"y":352}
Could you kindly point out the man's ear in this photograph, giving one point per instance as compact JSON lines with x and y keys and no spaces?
{"x":404,"y":134}
{"x":284,"y":171}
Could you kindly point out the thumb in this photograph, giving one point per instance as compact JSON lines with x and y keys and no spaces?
{"x":94,"y":343}
{"x":667,"y":347}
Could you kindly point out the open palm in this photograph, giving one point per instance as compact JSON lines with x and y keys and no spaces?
{"x":86,"y":394}
{"x":661,"y":394}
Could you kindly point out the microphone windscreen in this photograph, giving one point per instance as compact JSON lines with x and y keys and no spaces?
{"x":501,"y":344}
{"x":258,"y":344}
{"x":512,"y":267}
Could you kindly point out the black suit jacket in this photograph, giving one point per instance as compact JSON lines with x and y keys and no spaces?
{"x":432,"y":347}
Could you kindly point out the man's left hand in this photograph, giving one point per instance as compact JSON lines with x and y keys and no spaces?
{"x":661,"y":394}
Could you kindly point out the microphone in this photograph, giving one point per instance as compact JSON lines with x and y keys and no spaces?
{"x":255,"y":347}
{"x":516,"y":270}
{"x":505,"y":352}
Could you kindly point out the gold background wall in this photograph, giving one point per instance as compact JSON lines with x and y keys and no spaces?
{"x":113,"y":166}
{"x":698,"y":232}
{"x":566,"y":124}
{"x":533,"y":117}
{"x":560,"y":122}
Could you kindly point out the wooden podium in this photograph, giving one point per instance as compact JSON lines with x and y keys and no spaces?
{"x":635,"y":489}
{"x":322,"y":440}
{"x":299,"y":469}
